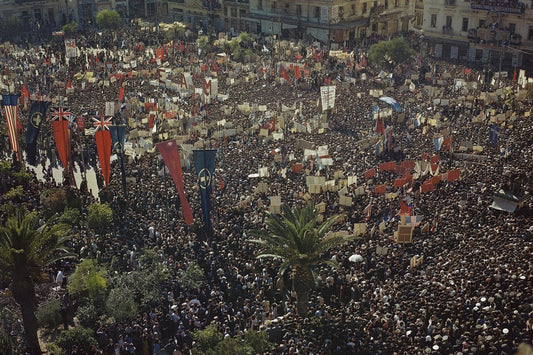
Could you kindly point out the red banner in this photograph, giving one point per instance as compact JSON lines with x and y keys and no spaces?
{"x":171,"y":156}
{"x":380,"y":189}
{"x":369,"y":173}
{"x":103,"y":147}
{"x":454,"y":174}
{"x":61,"y":135}
{"x":427,"y":187}
{"x":297,"y":168}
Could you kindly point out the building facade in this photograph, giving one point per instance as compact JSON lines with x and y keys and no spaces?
{"x":495,"y":34}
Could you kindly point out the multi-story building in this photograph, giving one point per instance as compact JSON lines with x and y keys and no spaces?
{"x":337,"y":21}
{"x":495,"y":33}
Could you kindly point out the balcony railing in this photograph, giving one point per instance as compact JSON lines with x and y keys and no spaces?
{"x":509,"y":7}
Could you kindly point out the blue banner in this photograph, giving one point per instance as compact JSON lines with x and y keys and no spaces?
{"x":204,"y":165}
{"x":36,"y":117}
{"x":117,"y":146}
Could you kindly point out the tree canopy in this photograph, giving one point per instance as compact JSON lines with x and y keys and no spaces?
{"x":388,"y":54}
{"x":108,"y":19}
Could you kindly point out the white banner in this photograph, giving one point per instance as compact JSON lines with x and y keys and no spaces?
{"x":327,"y":95}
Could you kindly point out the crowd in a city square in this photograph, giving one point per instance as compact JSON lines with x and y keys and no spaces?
{"x":472,"y":292}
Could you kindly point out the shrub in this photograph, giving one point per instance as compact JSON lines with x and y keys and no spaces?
{"x":70,"y":216}
{"x":70,"y":28}
{"x":88,"y":315}
{"x":80,"y":337}
{"x":191,"y":277}
{"x":22,"y":177}
{"x":15,"y":193}
{"x":88,"y":280}
{"x":5,"y":167}
{"x":207,"y":338}
{"x":48,"y":314}
{"x":55,"y":201}
{"x":121,"y":305}
{"x":100,"y":217}
{"x":108,"y":19}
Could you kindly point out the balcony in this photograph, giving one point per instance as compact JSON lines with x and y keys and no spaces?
{"x":508,"y":7}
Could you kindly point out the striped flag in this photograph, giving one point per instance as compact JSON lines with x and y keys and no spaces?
{"x":10,"y":102}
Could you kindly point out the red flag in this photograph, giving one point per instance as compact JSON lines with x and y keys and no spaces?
{"x":514,"y":75}
{"x":181,"y":47}
{"x":434,"y":159}
{"x":369,"y":173}
{"x":399,"y":182}
{"x":454,"y":174}
{"x":171,"y":156}
{"x":61,"y":134}
{"x":427,"y":187}
{"x":297,"y":72}
{"x":151,"y":121}
{"x":380,"y":189}
{"x":297,"y":168}
{"x":215,"y":66}
{"x":447,"y":143}
{"x":103,"y":145}
{"x":408,"y":164}
{"x":404,"y":209}
{"x":270,"y":125}
{"x":69,"y":84}
{"x":121,"y":94}
{"x":25,"y":95}
{"x":81,"y":123}
{"x":283,"y":73}
{"x":221,"y":184}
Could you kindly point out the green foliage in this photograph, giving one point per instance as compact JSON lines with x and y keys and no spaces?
{"x":48,"y":314}
{"x":191,"y":277}
{"x":22,"y":177}
{"x":108,"y":19}
{"x":120,"y":304}
{"x":88,"y":315}
{"x":80,"y":337}
{"x":145,"y":285}
{"x":88,"y":280}
{"x":5,"y":167}
{"x":296,"y":237}
{"x":231,"y":346}
{"x":208,"y":338}
{"x":202,"y":41}
{"x":70,"y":28}
{"x":70,"y":216}
{"x":100,"y":217}
{"x":52,"y":348}
{"x":240,"y":47}
{"x":388,"y":54}
{"x":258,"y":341}
{"x":15,"y":193}
{"x":54,"y":201}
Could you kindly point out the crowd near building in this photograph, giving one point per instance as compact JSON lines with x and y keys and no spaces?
{"x":430,"y":161}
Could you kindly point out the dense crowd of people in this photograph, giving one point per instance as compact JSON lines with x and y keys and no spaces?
{"x":472,"y":292}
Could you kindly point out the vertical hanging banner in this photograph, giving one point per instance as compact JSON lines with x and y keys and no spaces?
{"x":103,"y":145}
{"x":204,"y":165}
{"x":71,"y":50}
{"x":35,"y":120}
{"x":60,"y":121}
{"x":10,"y":102}
{"x":327,"y":96}
{"x":117,"y":139}
{"x":171,"y":156}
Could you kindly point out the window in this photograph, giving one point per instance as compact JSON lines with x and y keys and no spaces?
{"x":364,"y":8}
{"x":298,"y":10}
{"x":433,"y":20}
{"x":464,"y":27}
{"x":341,"y":13}
{"x":482,"y":23}
{"x":316,"y":12}
{"x":530,"y":35}
{"x":242,"y":13}
{"x":274,"y":6}
{"x":448,"y":22}
{"x":259,"y":4}
{"x":233,"y":12}
{"x":512,"y":28}
{"x":386,"y":4}
{"x":396,"y":3}
{"x":406,"y":2}
{"x":353,"y":9}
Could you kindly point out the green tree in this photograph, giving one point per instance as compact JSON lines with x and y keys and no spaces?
{"x":70,"y":216}
{"x":108,"y":19}
{"x":191,"y":277}
{"x":25,"y":248}
{"x":293,"y":236}
{"x":388,"y":54}
{"x":48,"y":314}
{"x":70,"y":28}
{"x":88,"y":281}
{"x":80,"y":337}
{"x":207,"y":338}
{"x":100,"y":217}
{"x":202,"y":42}
{"x":120,"y":304}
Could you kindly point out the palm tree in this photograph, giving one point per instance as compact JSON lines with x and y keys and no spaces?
{"x":294,"y":237}
{"x":25,"y":247}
